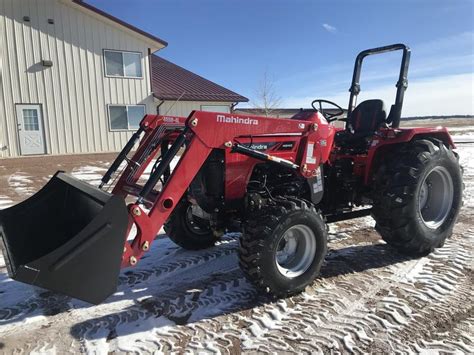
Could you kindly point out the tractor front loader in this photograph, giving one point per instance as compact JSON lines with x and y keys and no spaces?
{"x":278,"y":181}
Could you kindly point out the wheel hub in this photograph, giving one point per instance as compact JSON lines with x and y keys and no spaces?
{"x":197,"y":224}
{"x":436,"y":196}
{"x":296,"y":251}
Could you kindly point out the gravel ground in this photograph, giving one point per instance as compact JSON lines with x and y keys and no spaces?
{"x":369,"y":298}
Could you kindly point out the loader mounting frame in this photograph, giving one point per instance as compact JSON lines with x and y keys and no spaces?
{"x":199,"y":134}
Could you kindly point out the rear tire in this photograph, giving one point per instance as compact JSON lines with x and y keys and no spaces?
{"x":283,"y":247}
{"x":418,"y":196}
{"x":188,"y":231}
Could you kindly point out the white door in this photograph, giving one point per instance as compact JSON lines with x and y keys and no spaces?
{"x":30,"y":129}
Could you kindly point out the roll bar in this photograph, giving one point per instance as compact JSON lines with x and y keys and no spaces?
{"x":402,"y":84}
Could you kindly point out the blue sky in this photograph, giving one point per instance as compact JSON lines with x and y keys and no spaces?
{"x":308,"y":46}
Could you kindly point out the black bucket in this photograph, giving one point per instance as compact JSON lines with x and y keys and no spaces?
{"x":68,"y":237}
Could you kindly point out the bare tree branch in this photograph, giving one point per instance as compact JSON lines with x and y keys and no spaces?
{"x":266,"y":98}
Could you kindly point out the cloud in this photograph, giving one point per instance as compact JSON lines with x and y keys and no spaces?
{"x":455,"y":42}
{"x":329,"y":28}
{"x":442,"y":95}
{"x":441,"y":79}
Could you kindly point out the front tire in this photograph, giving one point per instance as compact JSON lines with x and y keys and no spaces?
{"x":283,"y":247}
{"x":418,"y":196}
{"x":188,"y":231}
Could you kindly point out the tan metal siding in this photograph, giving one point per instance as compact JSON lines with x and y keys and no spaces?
{"x":74,"y":93}
{"x":3,"y":80}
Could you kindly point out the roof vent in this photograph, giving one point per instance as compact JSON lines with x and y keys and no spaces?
{"x":26,"y":18}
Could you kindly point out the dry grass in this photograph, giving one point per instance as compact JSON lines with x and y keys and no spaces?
{"x":446,"y":122}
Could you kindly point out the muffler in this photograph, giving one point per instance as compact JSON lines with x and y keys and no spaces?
{"x":69,"y":238}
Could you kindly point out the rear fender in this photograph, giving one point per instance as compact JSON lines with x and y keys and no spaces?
{"x":387,"y":142}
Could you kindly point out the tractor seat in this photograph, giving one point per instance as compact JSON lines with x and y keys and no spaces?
{"x":366,"y":118}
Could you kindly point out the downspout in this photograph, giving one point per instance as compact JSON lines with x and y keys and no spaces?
{"x":232,"y":107}
{"x":150,"y":68}
{"x":158,"y":106}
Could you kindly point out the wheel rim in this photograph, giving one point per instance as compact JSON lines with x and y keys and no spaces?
{"x":195,"y":224}
{"x":296,"y":251}
{"x":435,"y":198}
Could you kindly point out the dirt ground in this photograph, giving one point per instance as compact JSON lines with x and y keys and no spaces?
{"x":368,"y":299}
{"x":21,"y":177}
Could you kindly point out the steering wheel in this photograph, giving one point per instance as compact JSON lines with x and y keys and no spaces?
{"x":328,"y":116}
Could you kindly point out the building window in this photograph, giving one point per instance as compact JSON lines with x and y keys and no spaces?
{"x":125,"y":117}
{"x":30,"y":120}
{"x":123,"y":64}
{"x":216,"y":108}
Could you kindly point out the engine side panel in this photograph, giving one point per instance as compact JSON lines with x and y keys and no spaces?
{"x":239,"y":167}
{"x":306,"y":143}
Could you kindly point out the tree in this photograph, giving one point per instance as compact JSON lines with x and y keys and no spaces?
{"x":266,"y":98}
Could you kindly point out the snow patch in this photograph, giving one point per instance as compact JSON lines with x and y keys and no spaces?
{"x":5,"y":202}
{"x":89,"y":174}
{"x":21,"y":183}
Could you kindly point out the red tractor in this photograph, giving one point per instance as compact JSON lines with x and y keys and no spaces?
{"x":278,"y":181}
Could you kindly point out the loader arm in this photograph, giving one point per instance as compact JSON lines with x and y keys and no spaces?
{"x":202,"y":132}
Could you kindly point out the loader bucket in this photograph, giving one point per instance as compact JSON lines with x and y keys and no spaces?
{"x":68,"y":237}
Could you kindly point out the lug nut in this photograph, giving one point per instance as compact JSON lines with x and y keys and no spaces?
{"x":136,"y":211}
{"x":133,"y":260}
{"x":146,"y":246}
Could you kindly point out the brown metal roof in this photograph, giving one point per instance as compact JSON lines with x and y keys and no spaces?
{"x":120,"y":22}
{"x":171,"y":82}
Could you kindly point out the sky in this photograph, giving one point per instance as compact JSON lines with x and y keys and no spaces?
{"x":308,"y":47}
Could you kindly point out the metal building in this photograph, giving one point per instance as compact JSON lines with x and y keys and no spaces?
{"x":74,"y":79}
